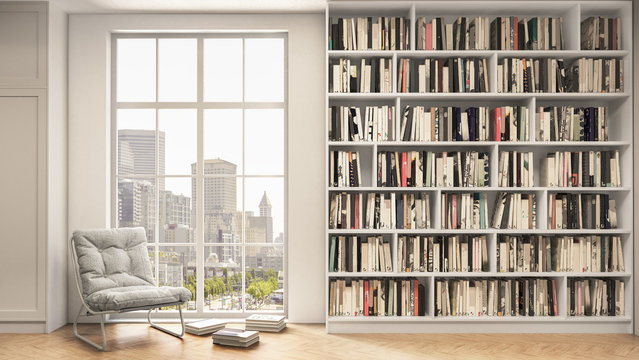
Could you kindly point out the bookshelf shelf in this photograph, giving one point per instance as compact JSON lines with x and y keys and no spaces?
{"x":619,"y":135}
{"x":382,"y":145}
{"x":479,"y":96}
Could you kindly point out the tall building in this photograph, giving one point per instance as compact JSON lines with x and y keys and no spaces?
{"x":220,"y":202}
{"x":136,"y":153}
{"x":136,"y":205}
{"x":220,"y":193}
{"x":175,"y":209}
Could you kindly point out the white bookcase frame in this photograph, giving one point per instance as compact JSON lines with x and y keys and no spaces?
{"x":620,"y":135}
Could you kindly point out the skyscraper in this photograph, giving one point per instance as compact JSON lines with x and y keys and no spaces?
{"x":136,"y":153}
{"x":136,"y":205}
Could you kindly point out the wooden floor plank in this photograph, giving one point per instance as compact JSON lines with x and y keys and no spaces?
{"x":305,"y":342}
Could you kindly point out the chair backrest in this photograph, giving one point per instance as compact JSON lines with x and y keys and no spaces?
{"x":110,"y":258}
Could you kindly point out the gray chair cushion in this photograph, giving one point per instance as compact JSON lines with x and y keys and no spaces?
{"x":114,"y":263}
{"x":129,"y":297}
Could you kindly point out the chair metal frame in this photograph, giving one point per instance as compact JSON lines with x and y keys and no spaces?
{"x":88,"y":311}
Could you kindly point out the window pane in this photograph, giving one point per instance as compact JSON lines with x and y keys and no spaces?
{"x":264,"y":206}
{"x":264,"y":70}
{"x":265,"y":277}
{"x":177,"y":70}
{"x":178,"y":130}
{"x":222,"y":70}
{"x":223,"y":137}
{"x":223,"y":277}
{"x":264,"y":141}
{"x":135,"y":70}
{"x":176,"y":267}
{"x":136,"y":205}
{"x":136,"y":141}
{"x":175,"y":211}
{"x":222,"y":206}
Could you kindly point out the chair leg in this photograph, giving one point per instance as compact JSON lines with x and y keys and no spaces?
{"x":180,"y":335}
{"x":75,"y":331}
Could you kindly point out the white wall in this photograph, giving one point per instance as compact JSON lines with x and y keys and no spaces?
{"x":57,"y":238}
{"x":89,"y":131}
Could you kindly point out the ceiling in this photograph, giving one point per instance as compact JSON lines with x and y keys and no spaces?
{"x":227,"y":6}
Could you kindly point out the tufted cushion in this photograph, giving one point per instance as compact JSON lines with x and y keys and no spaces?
{"x":136,"y":296}
{"x":115,"y":270}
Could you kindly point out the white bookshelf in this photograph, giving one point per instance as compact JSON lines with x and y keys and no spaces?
{"x":620,"y":136}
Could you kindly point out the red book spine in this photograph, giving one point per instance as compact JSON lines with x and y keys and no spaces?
{"x":454,"y":221}
{"x":404,"y":75}
{"x":429,"y":37}
{"x":365,"y":297}
{"x":404,"y":163}
{"x":498,"y":124}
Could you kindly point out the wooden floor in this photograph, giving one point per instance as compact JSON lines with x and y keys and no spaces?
{"x":137,"y":341}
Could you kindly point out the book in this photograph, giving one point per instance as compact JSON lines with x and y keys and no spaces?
{"x":263,"y":322}
{"x":445,"y":75}
{"x":203,"y":327}
{"x":346,"y":75}
{"x":379,"y":211}
{"x":235,"y":337}
{"x":594,"y":36}
{"x":496,"y":297}
{"x":387,"y":296}
{"x":368,"y":33}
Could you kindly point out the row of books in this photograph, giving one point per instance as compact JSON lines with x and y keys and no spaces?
{"x":466,"y":253}
{"x":463,"y":210}
{"x":569,"y":123}
{"x":596,"y":297}
{"x":344,"y":168}
{"x":596,"y":75}
{"x":359,"y":254}
{"x":442,"y":75}
{"x":581,"y":169}
{"x":538,"y":33}
{"x":347,"y":124}
{"x":496,"y":297}
{"x":503,"y":123}
{"x":531,"y":75}
{"x":601,"y":33}
{"x":376,"y":297}
{"x":515,"y":211}
{"x":535,"y":253}
{"x":479,"y":33}
{"x":516,"y":168}
{"x":426,"y":169}
{"x":379,"y":211}
{"x":363,"y":76}
{"x":368,"y":33}
{"x":581,"y":211}
{"x":462,"y":34}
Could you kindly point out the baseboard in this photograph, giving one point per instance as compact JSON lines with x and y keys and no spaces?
{"x":23,"y":327}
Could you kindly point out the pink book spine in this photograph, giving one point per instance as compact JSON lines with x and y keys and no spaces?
{"x":429,"y":37}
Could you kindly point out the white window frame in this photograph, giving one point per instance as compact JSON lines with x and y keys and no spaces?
{"x":200,"y":105}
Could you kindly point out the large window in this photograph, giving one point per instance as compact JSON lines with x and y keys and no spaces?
{"x":199,"y":123}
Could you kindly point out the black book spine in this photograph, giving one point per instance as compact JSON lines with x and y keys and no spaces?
{"x":440,"y":30}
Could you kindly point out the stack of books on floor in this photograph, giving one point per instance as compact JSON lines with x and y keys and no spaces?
{"x":270,"y":323}
{"x":236,"y":337}
{"x":204,"y":327}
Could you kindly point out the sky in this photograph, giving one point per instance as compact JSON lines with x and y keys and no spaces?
{"x":223,"y":135}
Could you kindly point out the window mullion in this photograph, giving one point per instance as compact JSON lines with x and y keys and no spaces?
{"x":243,"y":264}
{"x":200,"y":181}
